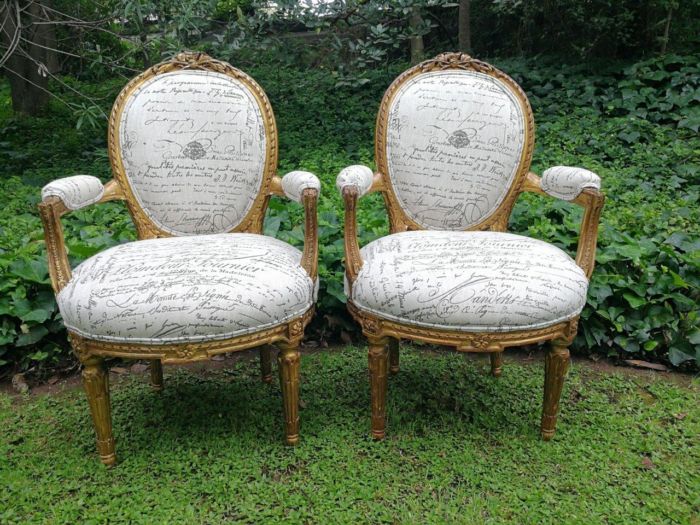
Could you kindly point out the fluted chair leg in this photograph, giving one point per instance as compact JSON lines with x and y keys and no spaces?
{"x":556,"y":365}
{"x":288,"y":360}
{"x":266,"y":364}
{"x":157,"y":375}
{"x":378,"y":368}
{"x":496,"y":363}
{"x":96,"y":383}
{"x":394,"y":356}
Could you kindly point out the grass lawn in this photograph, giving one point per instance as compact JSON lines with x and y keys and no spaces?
{"x":462,"y":447}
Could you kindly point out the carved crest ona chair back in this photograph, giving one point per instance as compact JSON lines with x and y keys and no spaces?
{"x":193,"y":149}
{"x":453,"y":147}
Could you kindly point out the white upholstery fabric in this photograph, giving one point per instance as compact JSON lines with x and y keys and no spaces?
{"x":564,"y":182}
{"x":76,"y":192}
{"x":454,"y":143}
{"x":357,"y":175}
{"x":295,"y":182}
{"x":471,"y":281}
{"x":193,"y":148}
{"x":183,"y":289}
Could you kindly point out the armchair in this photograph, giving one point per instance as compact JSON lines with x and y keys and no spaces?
{"x":453,"y":147}
{"x":193,"y":149}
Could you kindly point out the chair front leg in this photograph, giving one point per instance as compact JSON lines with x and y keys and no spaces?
{"x":556,"y":365}
{"x":96,"y":383}
{"x":266,"y":364}
{"x":288,"y":360}
{"x":496,"y":363}
{"x":378,"y":368}
{"x":157,"y":375}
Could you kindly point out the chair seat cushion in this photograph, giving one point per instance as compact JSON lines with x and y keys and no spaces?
{"x":469,"y":281}
{"x":186,"y":289}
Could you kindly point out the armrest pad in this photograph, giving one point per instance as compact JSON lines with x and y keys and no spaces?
{"x":76,"y":192}
{"x":295,"y":182}
{"x":567,"y":183}
{"x":357,"y":175}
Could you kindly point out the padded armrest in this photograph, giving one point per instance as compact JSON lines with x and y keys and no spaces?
{"x":76,"y":192}
{"x":295,"y":182}
{"x":358,"y":176}
{"x":567,"y":183}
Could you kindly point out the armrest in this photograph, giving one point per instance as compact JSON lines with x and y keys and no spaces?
{"x":58,"y":198}
{"x":567,"y":183}
{"x":304,"y":187}
{"x":76,"y":192}
{"x":353,"y":182}
{"x":588,"y":196}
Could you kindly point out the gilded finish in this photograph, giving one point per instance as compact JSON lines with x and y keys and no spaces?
{"x":96,"y":383}
{"x":378,"y":357}
{"x":394,"y":356}
{"x":496,"y":359}
{"x":266,"y":364}
{"x":377,"y":329}
{"x":556,"y":365}
{"x":91,"y":352}
{"x":288,"y":360}
{"x":157,"y":375}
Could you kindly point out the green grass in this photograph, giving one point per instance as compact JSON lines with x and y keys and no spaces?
{"x":462,"y":447}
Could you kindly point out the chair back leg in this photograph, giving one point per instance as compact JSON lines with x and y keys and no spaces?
{"x":394,"y":355}
{"x":266,"y":364}
{"x":496,"y":363}
{"x":157,"y":375}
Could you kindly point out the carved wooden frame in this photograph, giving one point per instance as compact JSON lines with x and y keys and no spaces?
{"x":286,"y":336}
{"x":383,"y":334}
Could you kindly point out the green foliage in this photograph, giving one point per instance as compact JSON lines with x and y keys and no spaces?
{"x":461,"y":448}
{"x":633,"y":125}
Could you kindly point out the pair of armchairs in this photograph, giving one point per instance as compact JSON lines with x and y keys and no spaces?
{"x":193,"y":149}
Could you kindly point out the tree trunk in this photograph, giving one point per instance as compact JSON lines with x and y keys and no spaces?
{"x":28,"y":67}
{"x":667,"y":30}
{"x":416,"y":41}
{"x":465,"y":30}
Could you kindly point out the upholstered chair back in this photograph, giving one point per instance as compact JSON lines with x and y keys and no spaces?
{"x":454,"y":143}
{"x":193,"y":144}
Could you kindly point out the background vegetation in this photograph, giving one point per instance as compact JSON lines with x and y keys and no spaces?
{"x":615,"y":87}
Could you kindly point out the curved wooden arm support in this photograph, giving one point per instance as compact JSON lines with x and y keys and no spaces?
{"x":592,"y":201}
{"x":51,"y":210}
{"x":276,"y":186}
{"x":353,"y":258}
{"x":309,"y":199}
{"x":309,"y":258}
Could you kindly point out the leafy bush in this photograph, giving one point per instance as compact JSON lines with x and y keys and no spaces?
{"x":636,"y":126}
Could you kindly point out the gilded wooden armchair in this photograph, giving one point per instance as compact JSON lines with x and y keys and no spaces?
{"x":453,"y":147}
{"x":193,"y":149}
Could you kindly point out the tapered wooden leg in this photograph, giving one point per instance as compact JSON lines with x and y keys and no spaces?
{"x":394,"y":356}
{"x":378,"y":365}
{"x":288,"y":360}
{"x":266,"y":364}
{"x":556,"y":365}
{"x":96,"y":383}
{"x":157,"y":375}
{"x":496,"y":363}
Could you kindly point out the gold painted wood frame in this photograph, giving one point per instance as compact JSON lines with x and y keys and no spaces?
{"x":384,"y":335}
{"x":287,"y":337}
